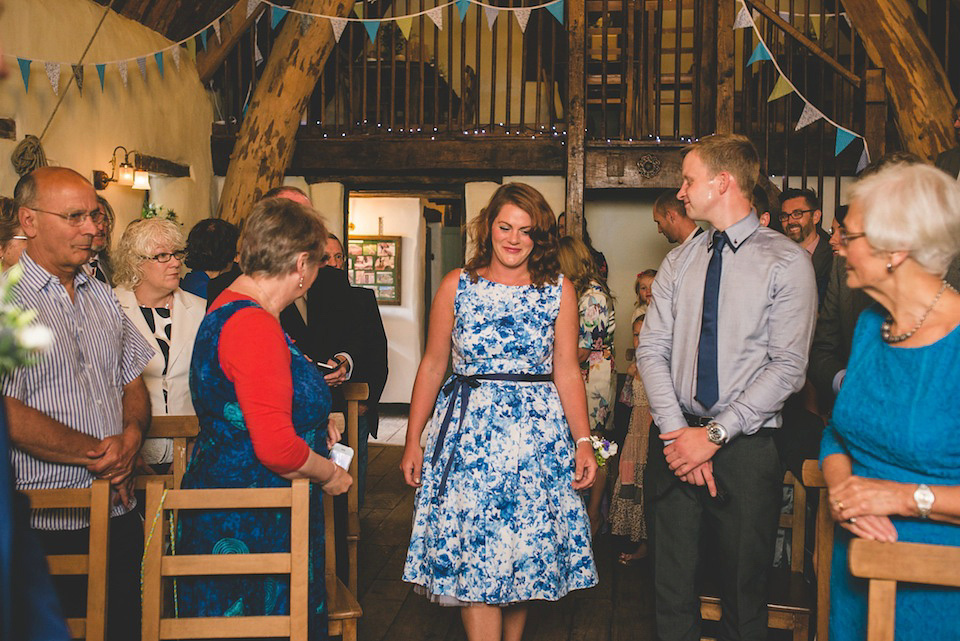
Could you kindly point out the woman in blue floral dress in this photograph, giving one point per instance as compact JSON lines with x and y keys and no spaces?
{"x":263,"y":411}
{"x":498,"y":521}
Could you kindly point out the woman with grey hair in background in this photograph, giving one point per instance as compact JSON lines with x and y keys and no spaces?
{"x":891,"y":453}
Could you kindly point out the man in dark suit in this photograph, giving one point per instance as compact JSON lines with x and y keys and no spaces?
{"x":949,"y":161}
{"x":800,"y":217}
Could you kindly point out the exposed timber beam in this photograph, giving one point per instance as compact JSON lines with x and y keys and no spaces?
{"x":725,"y":16}
{"x":267,"y":136}
{"x":577,"y":117}
{"x":915,"y":79}
{"x":234,"y":25}
{"x":8,"y":129}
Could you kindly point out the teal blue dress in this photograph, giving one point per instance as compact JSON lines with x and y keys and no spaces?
{"x":896,"y":417}
{"x":223,"y":457}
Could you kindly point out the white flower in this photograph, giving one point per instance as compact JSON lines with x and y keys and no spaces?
{"x":35,"y":337}
{"x":605,"y":453}
{"x":613,"y":448}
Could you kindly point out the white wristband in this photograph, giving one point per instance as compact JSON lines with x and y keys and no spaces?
{"x":582,"y":439}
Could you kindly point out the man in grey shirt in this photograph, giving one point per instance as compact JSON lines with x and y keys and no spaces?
{"x":724,"y":344}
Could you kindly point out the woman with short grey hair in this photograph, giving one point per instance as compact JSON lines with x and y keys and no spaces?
{"x":891,"y":455}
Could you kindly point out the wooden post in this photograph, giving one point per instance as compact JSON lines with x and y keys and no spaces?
{"x":726,"y":14}
{"x":876,"y":114}
{"x":576,"y":115}
{"x":915,"y":79}
{"x":267,"y":136}
{"x":235,"y":25}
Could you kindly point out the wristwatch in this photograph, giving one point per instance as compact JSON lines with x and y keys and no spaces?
{"x":924,"y":498}
{"x":716,"y":433}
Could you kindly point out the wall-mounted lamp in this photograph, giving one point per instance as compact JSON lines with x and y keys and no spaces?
{"x":123,"y":173}
{"x":141,"y":180}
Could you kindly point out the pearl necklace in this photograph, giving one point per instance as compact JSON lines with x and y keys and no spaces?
{"x":890,"y":339}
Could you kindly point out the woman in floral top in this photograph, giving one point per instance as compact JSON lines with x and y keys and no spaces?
{"x":595,"y":347}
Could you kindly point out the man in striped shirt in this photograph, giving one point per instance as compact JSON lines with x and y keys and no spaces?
{"x":80,"y":412}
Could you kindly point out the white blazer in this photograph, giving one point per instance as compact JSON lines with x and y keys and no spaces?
{"x":188,"y":312}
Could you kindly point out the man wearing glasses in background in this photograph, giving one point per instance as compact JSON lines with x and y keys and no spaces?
{"x":800,"y":218}
{"x":81,"y":411}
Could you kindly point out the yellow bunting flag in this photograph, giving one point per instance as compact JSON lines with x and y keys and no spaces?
{"x":781,"y":89}
{"x":815,"y":23}
{"x":192,"y":48}
{"x":405,"y":25}
{"x":358,"y":9}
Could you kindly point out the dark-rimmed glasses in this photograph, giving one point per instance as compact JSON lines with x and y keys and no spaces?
{"x":164,"y":257}
{"x":796,"y":214}
{"x":76,"y":218}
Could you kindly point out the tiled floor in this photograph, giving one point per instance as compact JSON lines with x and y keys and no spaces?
{"x":393,"y":425}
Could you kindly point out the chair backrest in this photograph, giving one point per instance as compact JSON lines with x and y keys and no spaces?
{"x":796,"y":522}
{"x":157,"y":565}
{"x":884,"y":564}
{"x":823,"y":552}
{"x":94,"y":564}
{"x":353,"y":393}
{"x":183,"y":430}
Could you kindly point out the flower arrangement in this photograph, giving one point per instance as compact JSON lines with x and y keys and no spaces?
{"x":602,"y":449}
{"x":20,"y":340}
{"x":153,"y":210}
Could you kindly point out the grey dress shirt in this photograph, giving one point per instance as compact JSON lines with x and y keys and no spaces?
{"x":768,"y":307}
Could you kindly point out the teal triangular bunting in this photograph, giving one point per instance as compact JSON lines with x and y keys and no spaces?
{"x":101,"y":71}
{"x":203,"y":38}
{"x":556,"y":10}
{"x":159,"y":58}
{"x":844,"y":138}
{"x":760,"y":53}
{"x":462,"y":7}
{"x":372,"y":26}
{"x":276,"y":15}
{"x":24,"y":72}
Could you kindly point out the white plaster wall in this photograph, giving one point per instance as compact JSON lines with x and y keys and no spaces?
{"x":478,"y":194}
{"x":169,"y":117}
{"x":403,"y":323}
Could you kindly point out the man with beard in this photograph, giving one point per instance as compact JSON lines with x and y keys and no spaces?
{"x":949,"y":161}
{"x":800,"y":218}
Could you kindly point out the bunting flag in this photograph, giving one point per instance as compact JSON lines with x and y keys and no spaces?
{"x":844,"y":138}
{"x":101,"y":73}
{"x":216,"y":30}
{"x":78,"y":77}
{"x":760,"y":53}
{"x":276,"y":15}
{"x":372,"y":26}
{"x":338,"y":24}
{"x":305,"y":21}
{"x":781,"y":89}
{"x":142,"y":65}
{"x":358,"y":9}
{"x":203,"y":39}
{"x":462,"y":7}
{"x":122,"y":68}
{"x":405,"y":24}
{"x":53,"y":74}
{"x":492,"y":13}
{"x":175,"y":54}
{"x":159,"y":58}
{"x":815,"y":24}
{"x":864,"y":159}
{"x":810,"y":114}
{"x":251,"y":5}
{"x":556,"y":10}
{"x":523,"y":16}
{"x":24,"y":73}
{"x":257,"y":56}
{"x":192,"y":48}
{"x":743,"y":19}
{"x":436,"y":15}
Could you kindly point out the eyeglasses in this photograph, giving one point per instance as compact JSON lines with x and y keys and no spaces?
{"x":845,"y":238}
{"x":164,"y":257}
{"x":796,"y":214}
{"x":76,"y":218}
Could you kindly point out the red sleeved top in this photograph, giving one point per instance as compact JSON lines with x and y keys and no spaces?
{"x":254,"y":356}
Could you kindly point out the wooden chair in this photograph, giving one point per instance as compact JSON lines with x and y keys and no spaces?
{"x":343,"y":609}
{"x":95,"y":563}
{"x":823,"y":545}
{"x":884,"y":564}
{"x":354,"y":393}
{"x":183,"y":430}
{"x":791,"y":601}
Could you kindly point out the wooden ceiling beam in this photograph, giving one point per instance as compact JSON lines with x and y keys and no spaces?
{"x":233,"y":26}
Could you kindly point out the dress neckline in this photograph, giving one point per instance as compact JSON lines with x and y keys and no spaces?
{"x":499,"y":283}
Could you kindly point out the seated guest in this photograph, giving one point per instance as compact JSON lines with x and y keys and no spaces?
{"x":263,"y":410}
{"x":211,"y":249}
{"x":800,"y":217}
{"x":670,"y":214}
{"x":79,"y":412}
{"x":12,"y":240}
{"x":890,"y":455}
{"x":148,"y":261}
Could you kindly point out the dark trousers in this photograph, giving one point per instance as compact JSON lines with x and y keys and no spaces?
{"x":739,"y":534}
{"x":123,"y":578}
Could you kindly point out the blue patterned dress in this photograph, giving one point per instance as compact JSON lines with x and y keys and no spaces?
{"x":223,"y":457}
{"x":896,"y":418}
{"x":506,"y":526}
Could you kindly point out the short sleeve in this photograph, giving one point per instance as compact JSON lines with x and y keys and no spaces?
{"x":135,"y":352}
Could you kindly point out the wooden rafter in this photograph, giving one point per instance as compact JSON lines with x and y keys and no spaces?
{"x":235,"y":24}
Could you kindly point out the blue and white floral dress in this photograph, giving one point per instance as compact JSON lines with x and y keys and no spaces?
{"x":497,"y":520}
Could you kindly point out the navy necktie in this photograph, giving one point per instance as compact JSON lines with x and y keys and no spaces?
{"x":97,"y":272}
{"x":708,"y":387}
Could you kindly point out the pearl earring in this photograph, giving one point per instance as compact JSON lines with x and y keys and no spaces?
{"x":300,"y":285}
{"x":889,"y":268}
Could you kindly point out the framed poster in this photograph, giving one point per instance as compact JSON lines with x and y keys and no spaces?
{"x":374,"y":262}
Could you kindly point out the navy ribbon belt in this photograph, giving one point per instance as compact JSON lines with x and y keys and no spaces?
{"x":463,"y":384}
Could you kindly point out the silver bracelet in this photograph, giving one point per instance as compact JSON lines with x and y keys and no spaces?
{"x":582,"y":439}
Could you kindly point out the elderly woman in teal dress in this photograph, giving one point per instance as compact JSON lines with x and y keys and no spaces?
{"x":891,"y":453}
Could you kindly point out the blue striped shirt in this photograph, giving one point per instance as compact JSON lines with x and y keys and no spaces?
{"x":79,"y":381}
